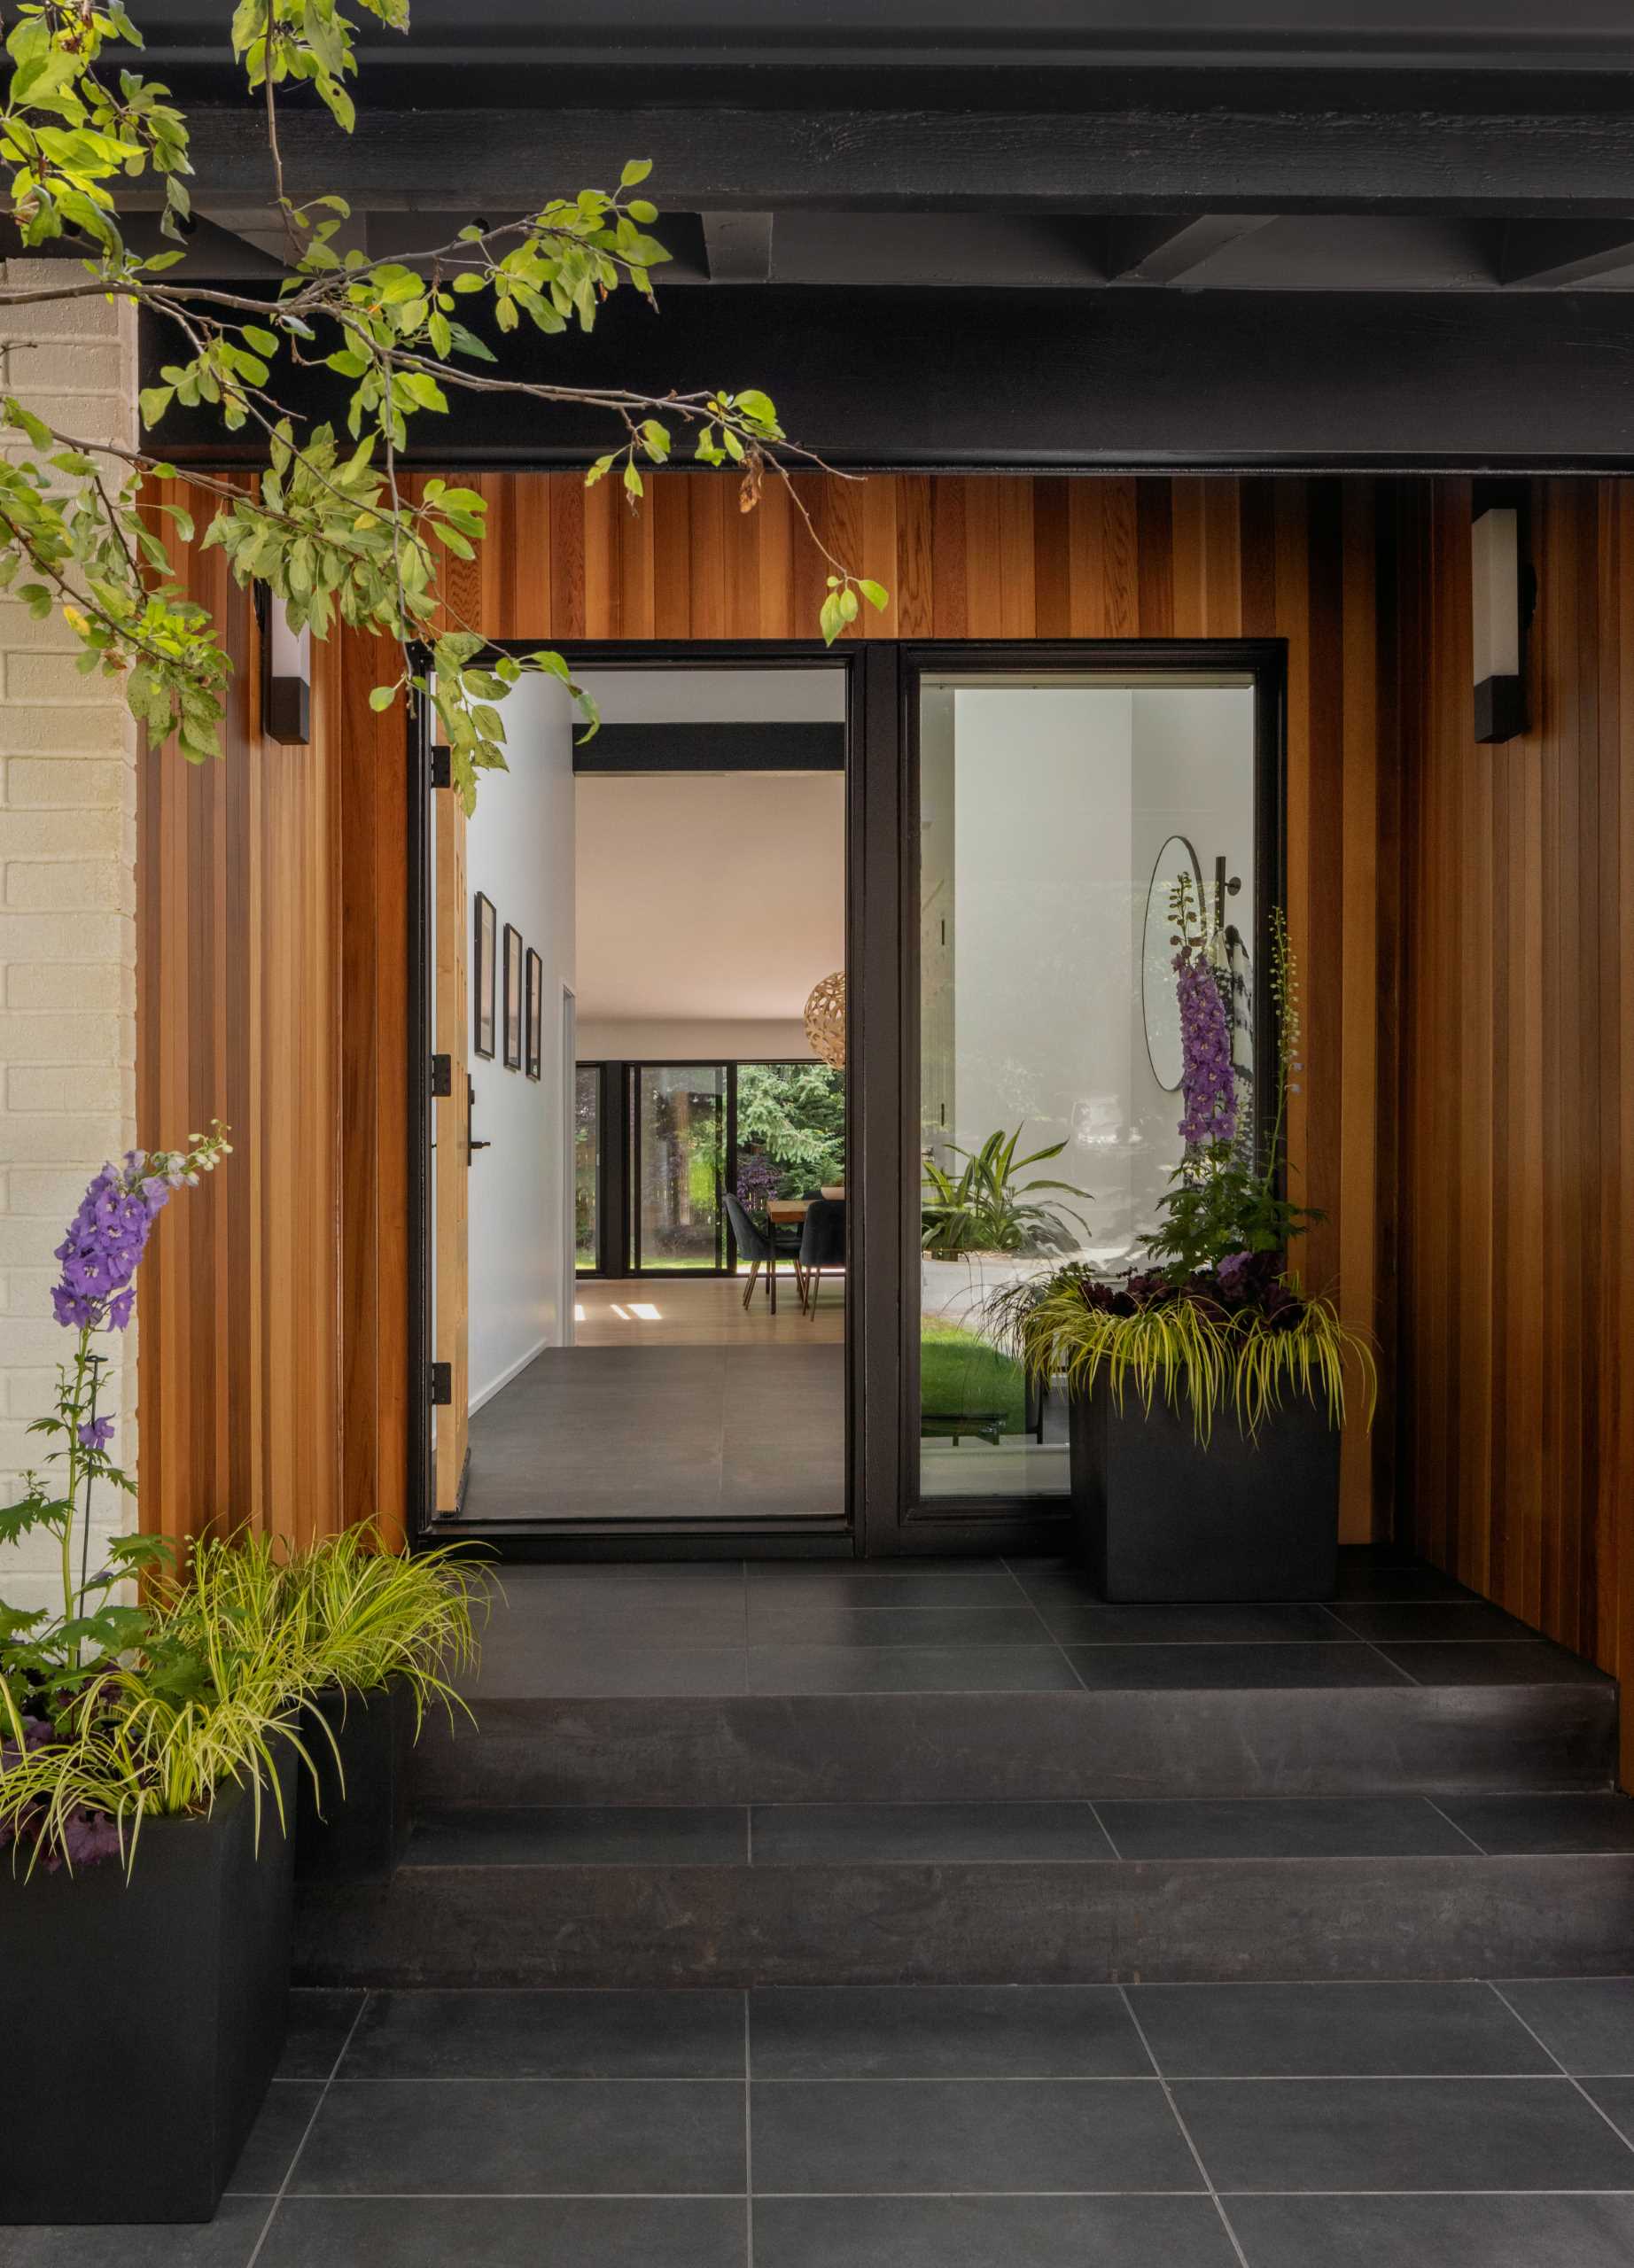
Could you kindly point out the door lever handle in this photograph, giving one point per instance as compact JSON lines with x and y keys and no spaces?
{"x":471,"y":1143}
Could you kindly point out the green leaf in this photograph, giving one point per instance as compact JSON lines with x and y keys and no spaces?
{"x":635,"y":172}
{"x":877,"y":596}
{"x":382,"y":696}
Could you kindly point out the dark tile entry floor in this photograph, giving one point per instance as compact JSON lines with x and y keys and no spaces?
{"x":705,"y":1433}
{"x":1421,"y":2125}
{"x":791,"y":1626}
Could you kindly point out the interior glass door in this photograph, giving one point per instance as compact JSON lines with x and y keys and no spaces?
{"x":681,"y":1129}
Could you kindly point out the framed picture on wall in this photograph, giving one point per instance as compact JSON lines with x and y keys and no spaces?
{"x":513,"y":998}
{"x":535,"y":1014}
{"x":482,"y":966}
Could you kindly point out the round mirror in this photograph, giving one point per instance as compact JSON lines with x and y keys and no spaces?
{"x":1160,"y":999}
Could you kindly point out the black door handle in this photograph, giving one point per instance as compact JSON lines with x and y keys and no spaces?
{"x":471,"y":1143}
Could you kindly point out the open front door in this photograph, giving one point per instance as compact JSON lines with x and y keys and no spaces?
{"x":451,"y":1154}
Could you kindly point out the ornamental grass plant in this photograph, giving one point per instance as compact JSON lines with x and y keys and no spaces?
{"x":364,"y":1615}
{"x":1234,"y":1338}
{"x":114,"y":1713}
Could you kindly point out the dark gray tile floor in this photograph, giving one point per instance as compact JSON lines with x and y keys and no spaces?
{"x":1463,"y":2125}
{"x":702,"y":1433}
{"x":786,"y":1627}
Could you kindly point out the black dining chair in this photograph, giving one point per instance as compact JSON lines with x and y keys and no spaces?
{"x":756,"y":1243}
{"x":822,"y":1245}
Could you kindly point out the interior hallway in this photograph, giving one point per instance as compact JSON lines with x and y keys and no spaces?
{"x":674,"y":1403}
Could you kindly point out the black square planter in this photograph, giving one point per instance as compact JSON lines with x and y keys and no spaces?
{"x":353,"y":1826}
{"x":144,"y":2018}
{"x":1161,"y":1518}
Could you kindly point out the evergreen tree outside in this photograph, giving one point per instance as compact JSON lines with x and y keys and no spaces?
{"x":793,"y":1116}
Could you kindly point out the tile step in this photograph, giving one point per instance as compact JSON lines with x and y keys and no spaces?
{"x":955,"y":1920}
{"x":744,"y":1748}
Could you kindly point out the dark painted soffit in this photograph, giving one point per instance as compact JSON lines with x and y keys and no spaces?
{"x":1058,"y":380}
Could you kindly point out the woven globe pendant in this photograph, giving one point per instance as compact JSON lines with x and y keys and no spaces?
{"x":825,"y":1019}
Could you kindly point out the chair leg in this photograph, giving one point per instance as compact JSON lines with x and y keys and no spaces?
{"x":771,"y":1280}
{"x":815,"y":1279}
{"x":749,"y":1288}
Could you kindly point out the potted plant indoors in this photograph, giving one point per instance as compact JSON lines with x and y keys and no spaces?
{"x":1206,"y":1388}
{"x":984,"y":1229}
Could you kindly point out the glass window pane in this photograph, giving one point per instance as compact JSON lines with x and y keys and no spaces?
{"x":681,"y":1130}
{"x":586,"y":1165}
{"x":790,"y":1131}
{"x":1054,"y":813}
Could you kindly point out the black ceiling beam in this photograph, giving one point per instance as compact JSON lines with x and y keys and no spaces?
{"x":815,"y":43}
{"x":764,"y":745}
{"x":1167,"y":251}
{"x":709,"y":158}
{"x":1561,"y":253}
{"x":738,"y":247}
{"x":1041,"y":380}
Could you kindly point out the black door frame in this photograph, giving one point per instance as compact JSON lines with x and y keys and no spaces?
{"x":883,"y":1517}
{"x":672,"y":1539}
{"x":903,"y":1524}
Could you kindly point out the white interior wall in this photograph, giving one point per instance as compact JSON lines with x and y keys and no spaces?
{"x":1194,"y":775}
{"x":520,"y":854}
{"x":1048,"y":822}
{"x":1041,"y":958}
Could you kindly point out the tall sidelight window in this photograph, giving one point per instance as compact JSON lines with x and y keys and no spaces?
{"x":1057,"y":815}
{"x":587,"y":1167}
{"x":681,"y":1163}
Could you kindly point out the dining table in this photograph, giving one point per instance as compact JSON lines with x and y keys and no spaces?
{"x":785,"y":1212}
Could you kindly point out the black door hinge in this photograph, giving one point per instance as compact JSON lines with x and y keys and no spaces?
{"x":442,"y":767}
{"x":442,"y":1075}
{"x":442,"y":1383}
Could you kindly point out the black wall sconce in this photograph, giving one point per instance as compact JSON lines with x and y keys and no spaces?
{"x":286,"y":674}
{"x":1502,"y":594}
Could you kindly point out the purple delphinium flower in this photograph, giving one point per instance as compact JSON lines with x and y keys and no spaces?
{"x":1208,"y":1077}
{"x":96,"y":1433}
{"x":105,"y":1244}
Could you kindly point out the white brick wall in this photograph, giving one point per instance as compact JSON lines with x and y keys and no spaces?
{"x":67,"y":919}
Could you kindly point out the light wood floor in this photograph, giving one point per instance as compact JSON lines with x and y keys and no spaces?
{"x":707,"y":1311}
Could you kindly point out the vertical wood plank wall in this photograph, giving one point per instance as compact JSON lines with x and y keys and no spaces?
{"x":238,"y":1016}
{"x":1516,"y":1282}
{"x":321,"y":921}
